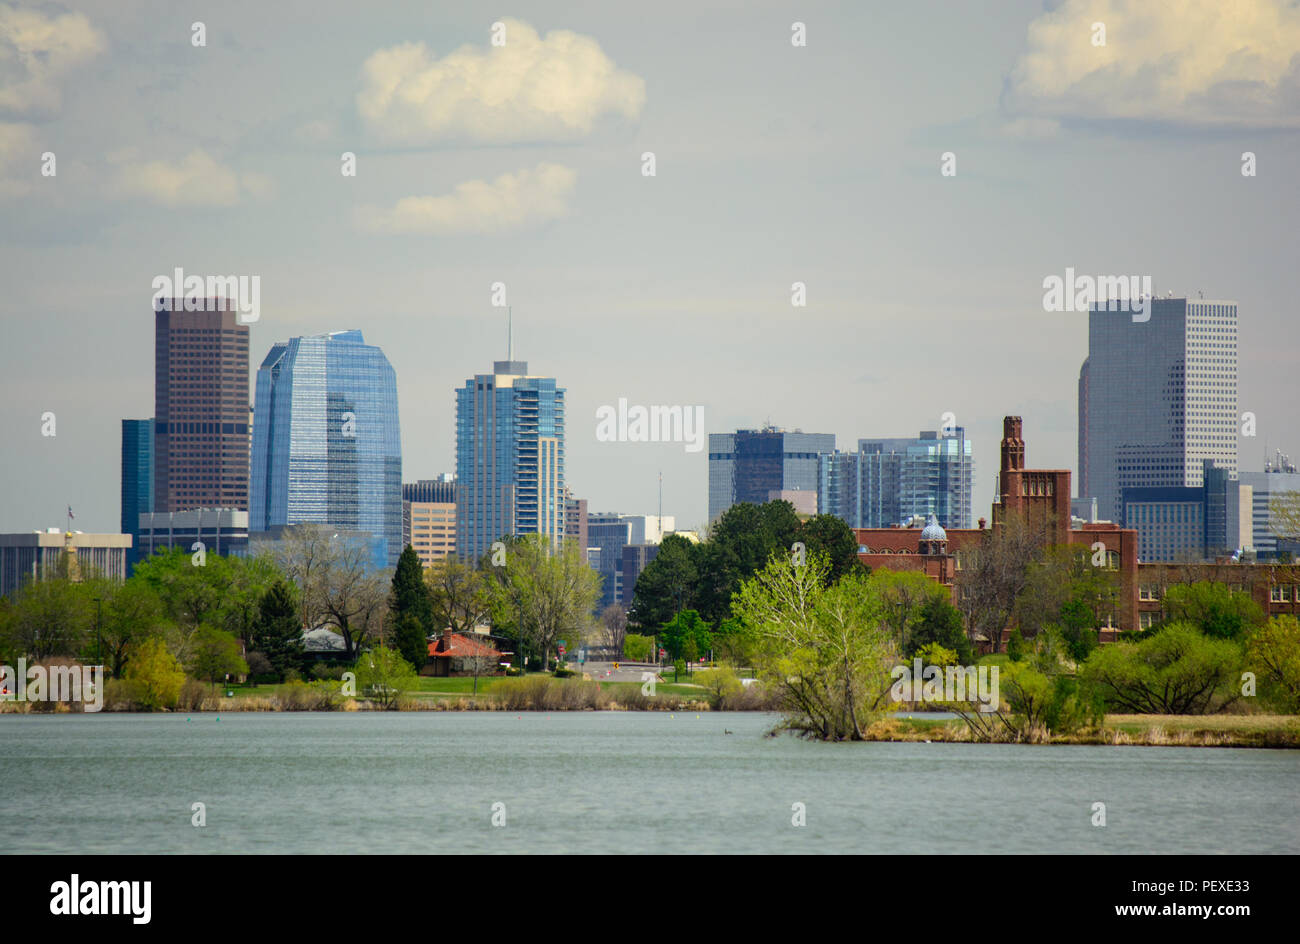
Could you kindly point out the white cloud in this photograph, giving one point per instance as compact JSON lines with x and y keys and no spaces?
{"x":1192,"y":62}
{"x":533,"y":88}
{"x":37,"y":52}
{"x":512,"y":201}
{"x":196,"y":180}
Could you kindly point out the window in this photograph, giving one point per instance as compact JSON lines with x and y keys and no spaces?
{"x":1147,"y":620}
{"x":1112,"y":560}
{"x":1275,"y":594}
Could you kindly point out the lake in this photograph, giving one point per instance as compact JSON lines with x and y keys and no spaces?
{"x":620,"y":782}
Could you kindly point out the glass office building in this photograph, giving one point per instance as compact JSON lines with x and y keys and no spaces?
{"x":509,"y":458}
{"x":137,"y":480}
{"x":326,"y":441}
{"x":888,"y":481}
{"x":749,"y":464}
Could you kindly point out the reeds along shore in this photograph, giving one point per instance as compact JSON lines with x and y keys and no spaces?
{"x":537,"y":693}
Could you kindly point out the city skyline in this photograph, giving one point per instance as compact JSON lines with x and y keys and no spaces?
{"x":675,"y":288}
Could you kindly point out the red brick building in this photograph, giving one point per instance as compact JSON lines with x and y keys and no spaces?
{"x":1041,"y":497}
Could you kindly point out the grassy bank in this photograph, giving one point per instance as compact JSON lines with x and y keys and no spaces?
{"x":1271,"y":731}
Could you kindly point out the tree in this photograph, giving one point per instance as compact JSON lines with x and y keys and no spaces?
{"x":155,"y":675}
{"x":50,"y":617}
{"x":638,"y":648}
{"x":939,"y":623}
{"x":1273,"y":651}
{"x":831,"y":535}
{"x":132,"y":612}
{"x":411,"y":640}
{"x":613,"y":621}
{"x":1177,"y":670}
{"x":996,"y":571}
{"x":277,"y":633}
{"x":459,"y":596}
{"x":1284,"y":515}
{"x":667,"y":585}
{"x":740,"y":544}
{"x":1219,"y":612}
{"x":410,"y":593}
{"x":827,"y":650}
{"x":336,"y":582}
{"x":383,"y":675}
{"x":215,"y":654}
{"x":904,"y":594}
{"x":686,"y":636}
{"x":545,"y":593}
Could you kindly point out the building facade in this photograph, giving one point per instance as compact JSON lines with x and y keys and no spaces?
{"x":1159,"y":398}
{"x":41,"y":555}
{"x":1278,"y":479}
{"x":326,"y":439}
{"x":888,"y":481}
{"x":201,"y":416}
{"x":221,"y":531}
{"x":747,"y":465}
{"x":137,"y":479}
{"x":509,"y":458}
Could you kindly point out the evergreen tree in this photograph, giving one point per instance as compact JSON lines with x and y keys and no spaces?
{"x":411,"y":641}
{"x":410,"y":593}
{"x":277,"y":633}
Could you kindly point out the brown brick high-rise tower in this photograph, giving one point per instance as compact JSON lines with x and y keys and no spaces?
{"x":201,"y":433}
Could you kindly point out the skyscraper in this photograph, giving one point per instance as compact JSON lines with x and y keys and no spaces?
{"x":746,"y":465}
{"x":1160,"y":398}
{"x":509,"y":457}
{"x":326,"y":441}
{"x":888,"y":481}
{"x":200,"y":407}
{"x":137,"y":479}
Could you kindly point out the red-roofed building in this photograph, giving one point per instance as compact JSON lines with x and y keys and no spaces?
{"x":454,"y":654}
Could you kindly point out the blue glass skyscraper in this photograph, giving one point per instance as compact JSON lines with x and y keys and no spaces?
{"x":326,"y":442}
{"x":509,"y":458}
{"x":137,"y":479}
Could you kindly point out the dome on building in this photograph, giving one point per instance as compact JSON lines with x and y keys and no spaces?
{"x":933,"y":532}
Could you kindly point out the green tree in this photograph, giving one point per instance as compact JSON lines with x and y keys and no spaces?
{"x":411,"y":639}
{"x":51,"y":617}
{"x":131,"y":612}
{"x":686,"y":636}
{"x":831,"y":535}
{"x":215,"y":654}
{"x":667,"y":585}
{"x":939,"y":622}
{"x":1219,"y":612}
{"x":1177,"y":670}
{"x":637,"y":648}
{"x":410,"y":593}
{"x":545,"y":593}
{"x":826,"y":649}
{"x":383,"y":675}
{"x":155,"y":675}
{"x":740,"y":544}
{"x":277,"y":633}
{"x":903,"y":596}
{"x":1273,"y":652}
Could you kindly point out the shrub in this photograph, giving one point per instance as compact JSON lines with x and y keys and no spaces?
{"x":1176,"y":671}
{"x":156,"y":675}
{"x":636,"y":648}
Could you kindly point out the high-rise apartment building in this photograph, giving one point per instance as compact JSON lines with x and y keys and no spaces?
{"x":1158,"y":398}
{"x":890,"y":481}
{"x":326,"y":439}
{"x":201,"y":422}
{"x":747,"y":465}
{"x":137,"y":479}
{"x":509,"y":458}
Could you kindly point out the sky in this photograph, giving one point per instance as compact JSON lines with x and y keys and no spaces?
{"x":523,"y":163}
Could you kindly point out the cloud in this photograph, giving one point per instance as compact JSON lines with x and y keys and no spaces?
{"x":37,"y":52}
{"x":534,"y":88}
{"x":19,"y":159}
{"x":512,"y":201}
{"x":1200,"y":63}
{"x":196,"y":180}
